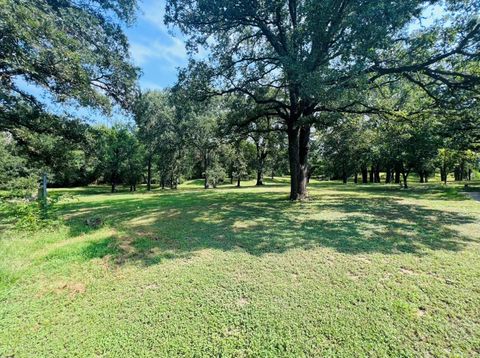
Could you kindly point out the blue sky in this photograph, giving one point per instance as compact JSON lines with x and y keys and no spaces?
{"x":153,"y":47}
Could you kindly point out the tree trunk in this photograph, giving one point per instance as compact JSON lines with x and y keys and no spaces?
{"x":261,"y":156}
{"x":149,"y":174}
{"x":377,"y":173}
{"x":372,"y":171}
{"x":344,"y":177}
{"x":293,"y":161}
{"x":469,"y":174}
{"x":298,"y":140}
{"x":355,"y":178}
{"x":397,"y":175}
{"x":205,"y":167}
{"x":259,"y":176}
{"x":388,"y":176}
{"x":304,"y":142}
{"x":443,"y":174}
{"x":113,"y":187}
{"x":238,"y":181}
{"x":422,"y":178}
{"x":364,"y":175}
{"x":405,"y":177}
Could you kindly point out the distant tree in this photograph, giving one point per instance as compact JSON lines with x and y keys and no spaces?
{"x":339,"y":149}
{"x":446,"y":160}
{"x":202,"y":133}
{"x":134,"y":163}
{"x":154,"y":116}
{"x":114,"y":147}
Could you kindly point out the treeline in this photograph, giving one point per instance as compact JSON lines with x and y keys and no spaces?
{"x":166,"y":145}
{"x":174,"y":139}
{"x":362,"y":148}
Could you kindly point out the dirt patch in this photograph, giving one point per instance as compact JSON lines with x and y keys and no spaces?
{"x":364,"y":260}
{"x":125,"y":244}
{"x":72,"y":288}
{"x":152,"y":286}
{"x":407,"y":271}
{"x":422,"y":311}
{"x":242,"y":301}
{"x":353,"y":276}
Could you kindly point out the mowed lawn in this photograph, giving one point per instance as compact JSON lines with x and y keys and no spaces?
{"x":355,"y":271}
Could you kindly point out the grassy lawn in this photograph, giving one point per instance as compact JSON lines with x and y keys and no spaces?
{"x":355,"y":271}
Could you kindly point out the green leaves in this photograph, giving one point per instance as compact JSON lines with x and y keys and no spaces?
{"x":75,"y":50}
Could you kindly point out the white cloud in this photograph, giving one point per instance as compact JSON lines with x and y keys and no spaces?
{"x":154,"y":13}
{"x":173,"y":53}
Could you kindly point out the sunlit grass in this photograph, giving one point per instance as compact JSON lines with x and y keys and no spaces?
{"x":355,"y":270}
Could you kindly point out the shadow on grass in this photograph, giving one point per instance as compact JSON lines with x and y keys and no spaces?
{"x":172,"y":225}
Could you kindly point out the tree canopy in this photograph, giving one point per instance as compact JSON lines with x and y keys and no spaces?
{"x":75,"y":51}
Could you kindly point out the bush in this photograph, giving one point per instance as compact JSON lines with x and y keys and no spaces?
{"x":24,"y":188}
{"x":30,"y":215}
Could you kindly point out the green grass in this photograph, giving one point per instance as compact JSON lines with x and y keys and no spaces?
{"x":355,"y":271}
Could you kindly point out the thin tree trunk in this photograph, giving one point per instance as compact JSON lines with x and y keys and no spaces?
{"x":238,"y":182}
{"x":149,"y":174}
{"x":205,"y":167}
{"x":355,"y":178}
{"x":444,"y":174}
{"x":372,"y":174}
{"x":405,"y":177}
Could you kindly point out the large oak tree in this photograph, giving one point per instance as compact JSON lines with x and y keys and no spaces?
{"x":305,"y":60}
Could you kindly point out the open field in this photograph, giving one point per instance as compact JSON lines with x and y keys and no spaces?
{"x":355,"y":271}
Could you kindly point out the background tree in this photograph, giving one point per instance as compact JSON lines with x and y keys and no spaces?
{"x":154,"y":116}
{"x":114,"y":146}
